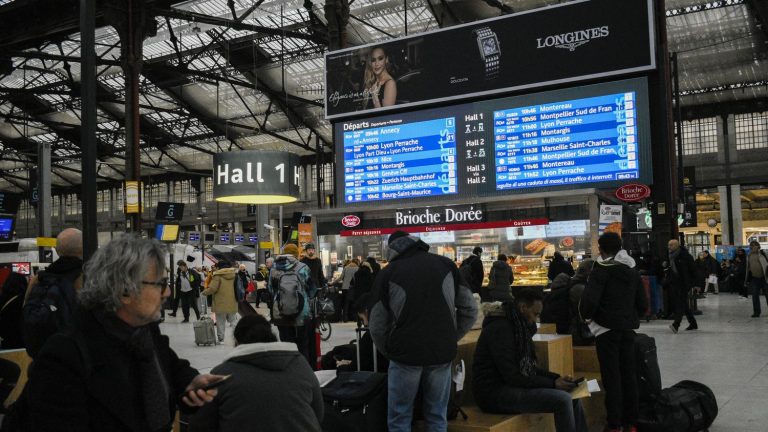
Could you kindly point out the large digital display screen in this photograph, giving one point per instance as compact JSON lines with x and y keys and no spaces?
{"x":400,"y":161}
{"x":589,"y":136}
{"x":6,"y":228}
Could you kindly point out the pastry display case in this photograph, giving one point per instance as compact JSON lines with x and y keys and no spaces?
{"x":530,"y":270}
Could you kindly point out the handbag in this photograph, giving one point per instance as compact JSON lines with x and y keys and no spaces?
{"x":323,"y":306}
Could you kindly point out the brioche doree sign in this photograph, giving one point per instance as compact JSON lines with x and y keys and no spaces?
{"x":633,"y":192}
{"x":256,"y":177}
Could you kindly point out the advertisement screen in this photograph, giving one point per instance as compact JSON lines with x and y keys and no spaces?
{"x":596,"y":135}
{"x":573,"y":41}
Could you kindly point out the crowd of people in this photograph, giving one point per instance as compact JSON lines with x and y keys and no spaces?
{"x":100,"y":361}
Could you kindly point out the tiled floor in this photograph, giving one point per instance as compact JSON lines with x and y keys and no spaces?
{"x":729,"y":354}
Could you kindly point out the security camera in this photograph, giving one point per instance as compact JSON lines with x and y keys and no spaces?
{"x":269,"y":227}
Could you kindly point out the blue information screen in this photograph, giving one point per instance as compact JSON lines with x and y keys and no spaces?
{"x":6,"y":225}
{"x":591,"y":136}
{"x":399,"y":160}
{"x":569,"y":142}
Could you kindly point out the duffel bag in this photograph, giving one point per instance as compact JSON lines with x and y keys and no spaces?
{"x":357,"y":401}
{"x":675,"y":409}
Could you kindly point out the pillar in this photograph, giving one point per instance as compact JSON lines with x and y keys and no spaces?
{"x":731,"y":223}
{"x":44,"y":194}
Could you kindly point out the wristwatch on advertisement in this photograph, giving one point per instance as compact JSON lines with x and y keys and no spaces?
{"x":490,"y":51}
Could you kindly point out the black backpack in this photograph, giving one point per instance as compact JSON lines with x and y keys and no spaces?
{"x":465,"y":270}
{"x":48,"y":309}
{"x":687,"y":406}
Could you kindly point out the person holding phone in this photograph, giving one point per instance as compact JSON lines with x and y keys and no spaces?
{"x":506,"y":378}
{"x":114,"y":371}
{"x":266,"y":370}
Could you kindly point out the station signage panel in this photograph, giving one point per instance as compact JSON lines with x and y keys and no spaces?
{"x":445,"y":227}
{"x":586,"y":40}
{"x":594,"y":136}
{"x":168,"y":211}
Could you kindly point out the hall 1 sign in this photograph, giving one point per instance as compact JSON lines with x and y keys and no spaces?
{"x":633,"y":192}
{"x":256,"y":177}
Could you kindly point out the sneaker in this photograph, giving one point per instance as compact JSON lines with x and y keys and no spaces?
{"x":673,"y":328}
{"x":693,"y":326}
{"x":172,"y":315}
{"x":755,"y":316}
{"x":184,"y":321}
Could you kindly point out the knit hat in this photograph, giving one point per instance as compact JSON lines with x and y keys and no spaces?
{"x":309,"y":246}
{"x":291,"y":249}
{"x":396,"y":235}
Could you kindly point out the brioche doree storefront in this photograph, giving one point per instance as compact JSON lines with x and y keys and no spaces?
{"x":527,"y":231}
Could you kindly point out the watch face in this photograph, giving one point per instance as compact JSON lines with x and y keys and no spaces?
{"x":490,"y":47}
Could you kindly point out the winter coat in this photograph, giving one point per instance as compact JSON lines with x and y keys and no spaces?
{"x":614,"y":297}
{"x":557,"y":303}
{"x":362,"y":282}
{"x":347,"y":274}
{"x":422,"y":306}
{"x":497,"y":363}
{"x":559,"y":265}
{"x":686,"y":276}
{"x":763,"y":263}
{"x":222,"y":287}
{"x":87,"y":380}
{"x":500,"y":280}
{"x":282,"y":264}
{"x":11,"y":303}
{"x":375,"y":266}
{"x":195,"y":281}
{"x":315,"y":270}
{"x":274,"y":375}
{"x":477,"y":271}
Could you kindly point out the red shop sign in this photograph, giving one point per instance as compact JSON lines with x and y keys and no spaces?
{"x":633,"y":192}
{"x":448,"y":227}
{"x":350,"y":221}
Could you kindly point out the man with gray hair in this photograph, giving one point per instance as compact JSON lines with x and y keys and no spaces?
{"x":55,"y":286}
{"x":114,"y":370}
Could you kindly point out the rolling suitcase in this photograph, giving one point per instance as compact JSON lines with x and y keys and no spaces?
{"x":359,"y":331}
{"x":647,"y":367}
{"x":205,"y":332}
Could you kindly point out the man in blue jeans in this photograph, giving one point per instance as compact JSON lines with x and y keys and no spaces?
{"x":757,"y":261}
{"x":505,"y":376}
{"x":422,"y":308}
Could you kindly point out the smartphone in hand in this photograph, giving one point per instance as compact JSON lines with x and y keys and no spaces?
{"x":217,"y":383}
{"x":578,"y":380}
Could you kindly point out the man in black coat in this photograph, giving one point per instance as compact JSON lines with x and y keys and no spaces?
{"x":472,"y":269}
{"x":114,"y":371}
{"x":681,"y":278}
{"x":559,"y":265}
{"x":612,"y":303}
{"x":506,"y":378}
{"x":188,"y":284}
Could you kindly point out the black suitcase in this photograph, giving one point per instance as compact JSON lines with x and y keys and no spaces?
{"x":356,"y":402}
{"x":687,"y":406}
{"x":647,"y":366}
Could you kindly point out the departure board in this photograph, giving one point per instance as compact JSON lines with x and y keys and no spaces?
{"x":397,"y":161}
{"x":590,"y":136}
{"x":578,"y":141}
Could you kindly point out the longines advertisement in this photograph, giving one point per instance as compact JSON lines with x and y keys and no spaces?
{"x":576,"y":41}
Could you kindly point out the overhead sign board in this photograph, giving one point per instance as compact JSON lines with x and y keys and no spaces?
{"x":584,"y":39}
{"x":256,"y":176}
{"x":169,"y":211}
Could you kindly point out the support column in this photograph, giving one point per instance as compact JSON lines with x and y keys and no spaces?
{"x":262,"y":217}
{"x":134,"y":22}
{"x":44,"y":194}
{"x":88,"y":129}
{"x":731,"y":223}
{"x":665,"y":176}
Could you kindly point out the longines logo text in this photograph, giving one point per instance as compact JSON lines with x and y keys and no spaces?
{"x":572,"y":40}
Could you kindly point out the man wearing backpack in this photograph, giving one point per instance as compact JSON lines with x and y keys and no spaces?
{"x":757,"y":262}
{"x":291,"y":288}
{"x":472,"y":271}
{"x":50,"y":300}
{"x":422,"y":307}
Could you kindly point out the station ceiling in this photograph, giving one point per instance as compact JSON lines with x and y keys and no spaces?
{"x":248,"y":74}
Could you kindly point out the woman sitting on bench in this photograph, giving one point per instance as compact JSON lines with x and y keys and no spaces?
{"x":505,"y":376}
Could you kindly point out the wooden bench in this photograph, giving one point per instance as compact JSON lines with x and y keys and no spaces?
{"x":546,"y":328}
{"x":20,"y":357}
{"x":585,"y":359}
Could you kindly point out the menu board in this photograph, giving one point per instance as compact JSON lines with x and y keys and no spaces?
{"x":595,"y":136}
{"x":576,"y":141}
{"x":393,"y":160}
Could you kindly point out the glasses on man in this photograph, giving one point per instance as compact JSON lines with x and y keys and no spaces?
{"x":162,"y":284}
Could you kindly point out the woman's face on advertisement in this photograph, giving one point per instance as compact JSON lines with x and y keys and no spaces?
{"x":378,"y":61}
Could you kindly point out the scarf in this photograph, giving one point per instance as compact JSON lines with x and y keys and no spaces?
{"x":522,"y":331}
{"x":672,"y":257}
{"x":155,"y":390}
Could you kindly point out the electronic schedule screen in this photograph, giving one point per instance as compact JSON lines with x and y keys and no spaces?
{"x":589,"y":136}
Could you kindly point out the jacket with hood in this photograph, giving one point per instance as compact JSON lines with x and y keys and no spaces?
{"x":272,"y":375}
{"x":222,"y":287}
{"x":285,"y":263}
{"x":422,"y":307}
{"x":556,"y":305}
{"x":614,"y":297}
{"x":500,"y":280}
{"x":497,"y":363}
